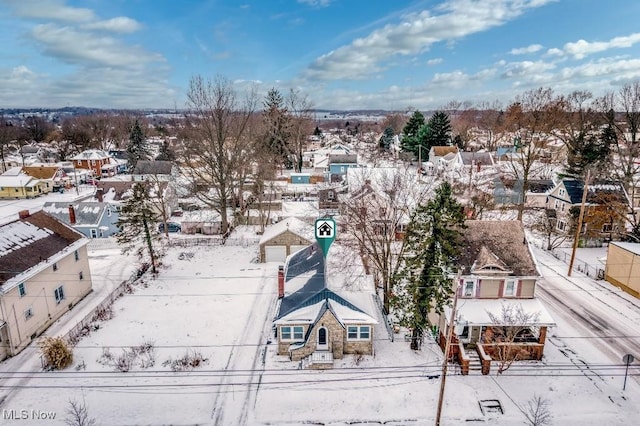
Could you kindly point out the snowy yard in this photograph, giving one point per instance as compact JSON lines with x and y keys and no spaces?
{"x":215,"y":301}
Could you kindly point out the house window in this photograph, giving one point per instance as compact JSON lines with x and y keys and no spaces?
{"x":365,"y":332}
{"x":80,"y":276}
{"x":55,"y":266}
{"x":510,"y":288}
{"x":22,"y":290}
{"x":330,"y":195}
{"x":291,"y":333}
{"x":28,"y":313}
{"x":561,"y":225}
{"x":561,"y":192}
{"x":59,"y":294}
{"x":562,"y":206}
{"x":94,"y":233}
{"x":607,"y":227}
{"x":469,"y":288}
{"x":556,"y":204}
{"x":76,"y":255}
{"x":355,"y":332}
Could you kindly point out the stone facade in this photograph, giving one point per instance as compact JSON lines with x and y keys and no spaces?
{"x":337,"y":342}
{"x":287,"y":238}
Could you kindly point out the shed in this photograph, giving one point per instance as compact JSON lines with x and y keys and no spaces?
{"x":285,"y":238}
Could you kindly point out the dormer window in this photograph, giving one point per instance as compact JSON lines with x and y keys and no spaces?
{"x":510,"y":288}
{"x":469,"y":289}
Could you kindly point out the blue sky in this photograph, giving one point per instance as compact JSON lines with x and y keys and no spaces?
{"x":343,"y":54}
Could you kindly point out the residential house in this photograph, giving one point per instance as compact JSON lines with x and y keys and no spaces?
{"x":475,"y":162}
{"x":92,"y":219}
{"x":606,"y":206}
{"x":496,"y":289}
{"x":340,"y":163}
{"x":444,"y":158}
{"x":315,"y":325}
{"x":328,"y":198}
{"x":97,"y":161}
{"x":509,"y":191}
{"x":44,"y":272}
{"x":284,"y":238}
{"x":15,"y":185}
{"x":162,"y":171}
{"x":52,"y":176}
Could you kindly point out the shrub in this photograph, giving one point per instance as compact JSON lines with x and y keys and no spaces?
{"x":56,"y":352}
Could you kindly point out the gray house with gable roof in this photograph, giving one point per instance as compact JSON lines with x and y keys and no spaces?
{"x":92,"y":219}
{"x":314,"y":324}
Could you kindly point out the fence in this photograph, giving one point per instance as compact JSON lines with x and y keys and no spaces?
{"x":213,"y":241}
{"x":592,"y":271}
{"x":387,"y":321}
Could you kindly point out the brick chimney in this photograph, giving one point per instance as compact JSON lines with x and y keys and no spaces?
{"x":280,"y":282}
{"x":23,"y":214}
{"x":72,"y":215}
{"x":100,"y":195}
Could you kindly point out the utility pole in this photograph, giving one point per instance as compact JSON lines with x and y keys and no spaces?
{"x":447,"y":347}
{"x":579,"y":228}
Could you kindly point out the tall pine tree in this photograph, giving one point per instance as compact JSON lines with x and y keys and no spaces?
{"x":137,"y":148}
{"x":410,"y":132}
{"x":136,"y":216}
{"x":439,"y":130}
{"x":277,"y":128}
{"x":433,"y":243}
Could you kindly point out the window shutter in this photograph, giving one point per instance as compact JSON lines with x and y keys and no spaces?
{"x":518,"y":285}
{"x":478,"y":288}
{"x":501,"y":289}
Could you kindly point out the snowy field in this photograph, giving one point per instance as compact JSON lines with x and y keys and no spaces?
{"x":218,"y":303}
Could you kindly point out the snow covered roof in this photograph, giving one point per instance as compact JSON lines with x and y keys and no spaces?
{"x":207,"y":215}
{"x":291,"y":224}
{"x":477,"y":311}
{"x":630,"y":247}
{"x":29,"y":241}
{"x":87,"y":213}
{"x":345,"y":312}
{"x":22,"y":181}
{"x":92,"y":154}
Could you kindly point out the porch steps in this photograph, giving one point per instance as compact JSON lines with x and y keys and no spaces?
{"x":318,"y":360}
{"x":474,"y":360}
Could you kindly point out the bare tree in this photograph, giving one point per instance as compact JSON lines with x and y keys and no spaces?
{"x":374,"y":215}
{"x":7,"y":136}
{"x":529,"y":119}
{"x":545,"y":223}
{"x":301,"y":124}
{"x":218,"y":144}
{"x":78,"y":415}
{"x":537,"y":411}
{"x":508,"y":326}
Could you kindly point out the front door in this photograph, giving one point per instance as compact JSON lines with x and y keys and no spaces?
{"x":323,"y":340}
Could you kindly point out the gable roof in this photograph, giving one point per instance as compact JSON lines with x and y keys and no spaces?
{"x":343,"y":158}
{"x":26,"y":242}
{"x":597,"y":192}
{"x":440,"y":151}
{"x":41,"y":172}
{"x":503,"y":239}
{"x":91,"y":154}
{"x":87,"y":213}
{"x":119,"y":188}
{"x":146,"y":167}
{"x":290,"y":224}
{"x":474,"y":158}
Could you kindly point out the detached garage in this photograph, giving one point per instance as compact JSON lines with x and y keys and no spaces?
{"x":285,"y":238}
{"x":623,"y":266}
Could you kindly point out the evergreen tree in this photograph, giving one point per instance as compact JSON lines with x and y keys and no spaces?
{"x":135,"y":218}
{"x":440,"y":130}
{"x":277,"y":128}
{"x":410,"y":132}
{"x":433,"y":243}
{"x":137,"y":148}
{"x":386,"y":139}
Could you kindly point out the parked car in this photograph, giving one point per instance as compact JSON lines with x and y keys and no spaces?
{"x":171,"y":227}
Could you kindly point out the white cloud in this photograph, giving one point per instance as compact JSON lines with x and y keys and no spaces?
{"x":416,"y":34}
{"x":525,"y":50}
{"x":121,"y":24}
{"x":87,"y":49}
{"x":434,"y":61}
{"x":582,"y":48}
{"x":50,"y":10}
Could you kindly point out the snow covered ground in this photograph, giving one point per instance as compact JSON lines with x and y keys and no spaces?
{"x":215,"y":301}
